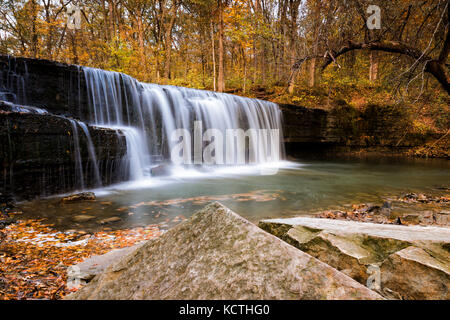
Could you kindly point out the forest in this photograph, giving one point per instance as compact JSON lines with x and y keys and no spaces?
{"x":241,"y":45}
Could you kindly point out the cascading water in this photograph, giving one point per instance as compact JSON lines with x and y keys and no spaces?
{"x":13,"y":88}
{"x":78,"y":163}
{"x":92,"y":156}
{"x":147,"y":115}
{"x":144,"y":116}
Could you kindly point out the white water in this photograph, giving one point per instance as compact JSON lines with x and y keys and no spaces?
{"x":147,"y":114}
{"x":78,"y":163}
{"x":92,"y":156}
{"x":15,"y":82}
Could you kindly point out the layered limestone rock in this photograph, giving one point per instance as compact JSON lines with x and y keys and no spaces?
{"x":85,"y":271}
{"x":37,"y":154}
{"x":51,"y":85}
{"x":399,"y":256}
{"x":217,"y":254}
{"x":417,"y":273}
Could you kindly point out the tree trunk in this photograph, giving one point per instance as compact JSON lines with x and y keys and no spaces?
{"x":74,"y":46}
{"x":291,"y":84}
{"x":168,"y":44}
{"x":245,"y":70}
{"x":213,"y":57}
{"x":373,"y":72}
{"x":312,"y":73}
{"x":168,"y":55}
{"x":34,"y":36}
{"x":112,"y":30}
{"x":221,"y":78}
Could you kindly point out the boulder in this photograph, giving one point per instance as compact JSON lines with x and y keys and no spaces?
{"x":216,"y":254}
{"x":358,"y":249}
{"x":414,"y":273}
{"x":348,"y":252}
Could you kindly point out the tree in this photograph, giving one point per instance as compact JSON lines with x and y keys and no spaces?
{"x":402,"y":37}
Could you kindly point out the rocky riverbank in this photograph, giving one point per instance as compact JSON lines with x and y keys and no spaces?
{"x":399,"y":262}
{"x":216,"y":249}
{"x":216,"y":254}
{"x":406,"y":209}
{"x":36,"y":257}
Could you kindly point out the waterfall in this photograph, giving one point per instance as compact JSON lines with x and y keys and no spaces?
{"x":91,"y":151}
{"x":147,"y":114}
{"x":79,"y":175}
{"x":13,"y":87}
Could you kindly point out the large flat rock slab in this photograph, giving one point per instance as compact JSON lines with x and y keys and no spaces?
{"x":402,"y":262}
{"x":216,"y":254}
{"x":404,"y":233}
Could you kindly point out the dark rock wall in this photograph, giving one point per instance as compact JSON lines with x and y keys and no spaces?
{"x":345,"y":130}
{"x":57,"y":87}
{"x":37,"y":151}
{"x":37,"y":155}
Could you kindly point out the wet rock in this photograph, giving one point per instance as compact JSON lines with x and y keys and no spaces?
{"x":353,"y":247}
{"x":416,"y":274}
{"x":5,"y":222}
{"x":161,"y":170}
{"x":5,"y":218}
{"x":385,"y":212}
{"x":82,"y":218}
{"x":387,"y":205}
{"x":83,"y":196}
{"x":427,"y":218}
{"x":110,"y":220}
{"x":442,"y":218}
{"x":6,"y":201}
{"x":422,"y":198}
{"x":372,"y":208}
{"x":410,"y":219}
{"x":216,"y":254}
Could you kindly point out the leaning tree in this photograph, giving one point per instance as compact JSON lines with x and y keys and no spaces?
{"x":418,"y":30}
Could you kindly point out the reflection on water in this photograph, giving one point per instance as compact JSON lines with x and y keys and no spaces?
{"x":298,"y":188}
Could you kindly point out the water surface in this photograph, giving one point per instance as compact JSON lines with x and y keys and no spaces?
{"x":297,"y":189}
